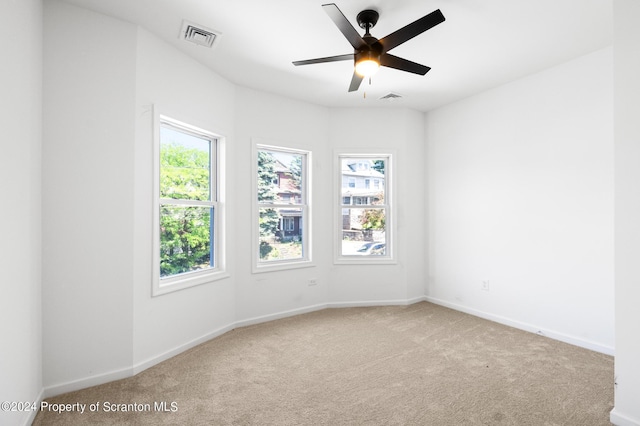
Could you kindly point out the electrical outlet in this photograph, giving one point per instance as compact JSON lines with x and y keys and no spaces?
{"x":485,"y":285}
{"x":313,"y":281}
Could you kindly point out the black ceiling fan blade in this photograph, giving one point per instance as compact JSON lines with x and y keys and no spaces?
{"x":355,"y":82}
{"x":344,"y":25}
{"x":408,"y":32}
{"x":347,"y":57}
{"x":401,"y":64}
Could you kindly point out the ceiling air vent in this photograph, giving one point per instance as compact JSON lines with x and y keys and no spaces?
{"x":390,"y":97}
{"x":198,"y":34}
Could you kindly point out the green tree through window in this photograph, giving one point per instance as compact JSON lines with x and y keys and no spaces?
{"x":186,"y":212}
{"x":268,"y":217}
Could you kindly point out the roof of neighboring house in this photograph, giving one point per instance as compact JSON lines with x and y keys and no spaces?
{"x":280,"y":167}
{"x":350,"y":169}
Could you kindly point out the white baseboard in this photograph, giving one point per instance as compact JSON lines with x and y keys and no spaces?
{"x":150,"y":362}
{"x":319,"y":307}
{"x":87,"y":382}
{"x":619,"y":419}
{"x":366,"y":303}
{"x":279,"y":315}
{"x":572,"y":340}
{"x":100,"y":379}
{"x":32,"y":414}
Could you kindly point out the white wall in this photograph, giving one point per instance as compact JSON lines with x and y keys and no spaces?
{"x":402,"y":132}
{"x":89,"y":129}
{"x":627,"y":207}
{"x":283,"y":122}
{"x":20,"y":186}
{"x":181,"y":88}
{"x":520,"y":193}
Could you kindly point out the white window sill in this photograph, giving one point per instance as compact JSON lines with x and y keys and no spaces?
{"x":282,"y":266}
{"x":187,"y":281}
{"x":364,"y":260}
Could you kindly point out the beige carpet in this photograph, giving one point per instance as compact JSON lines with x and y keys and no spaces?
{"x":413,"y":365}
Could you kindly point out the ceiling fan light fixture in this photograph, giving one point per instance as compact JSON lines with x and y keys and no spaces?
{"x":367,"y":68}
{"x":367,"y":63}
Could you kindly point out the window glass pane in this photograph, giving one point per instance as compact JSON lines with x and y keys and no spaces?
{"x":357,"y":175}
{"x":185,"y":239}
{"x":280,"y":233}
{"x":279,"y":177}
{"x":363,"y":232}
{"x":184,"y":165}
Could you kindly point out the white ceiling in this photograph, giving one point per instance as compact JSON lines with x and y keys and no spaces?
{"x":482,"y":44}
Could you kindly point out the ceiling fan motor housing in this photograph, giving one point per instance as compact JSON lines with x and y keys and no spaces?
{"x":371,"y":54}
{"x":367,"y":19}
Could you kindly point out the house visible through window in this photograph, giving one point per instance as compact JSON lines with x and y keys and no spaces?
{"x":364,"y":210}
{"x":186,"y":223}
{"x":282,"y":207}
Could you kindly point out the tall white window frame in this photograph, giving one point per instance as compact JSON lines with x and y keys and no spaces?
{"x":352,"y":246}
{"x":297,"y":205}
{"x":164,"y":283}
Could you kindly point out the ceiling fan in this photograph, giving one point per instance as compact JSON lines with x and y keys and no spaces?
{"x":369,"y":53}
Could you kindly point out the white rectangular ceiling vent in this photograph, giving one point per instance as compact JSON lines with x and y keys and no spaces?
{"x":198,"y":34}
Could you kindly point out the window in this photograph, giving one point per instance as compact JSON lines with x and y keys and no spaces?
{"x":288,"y":223}
{"x":187,"y":228}
{"x":282,"y":212}
{"x":365,"y":210}
{"x":361,"y":201}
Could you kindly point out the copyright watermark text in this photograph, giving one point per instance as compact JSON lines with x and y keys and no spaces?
{"x":99,"y":406}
